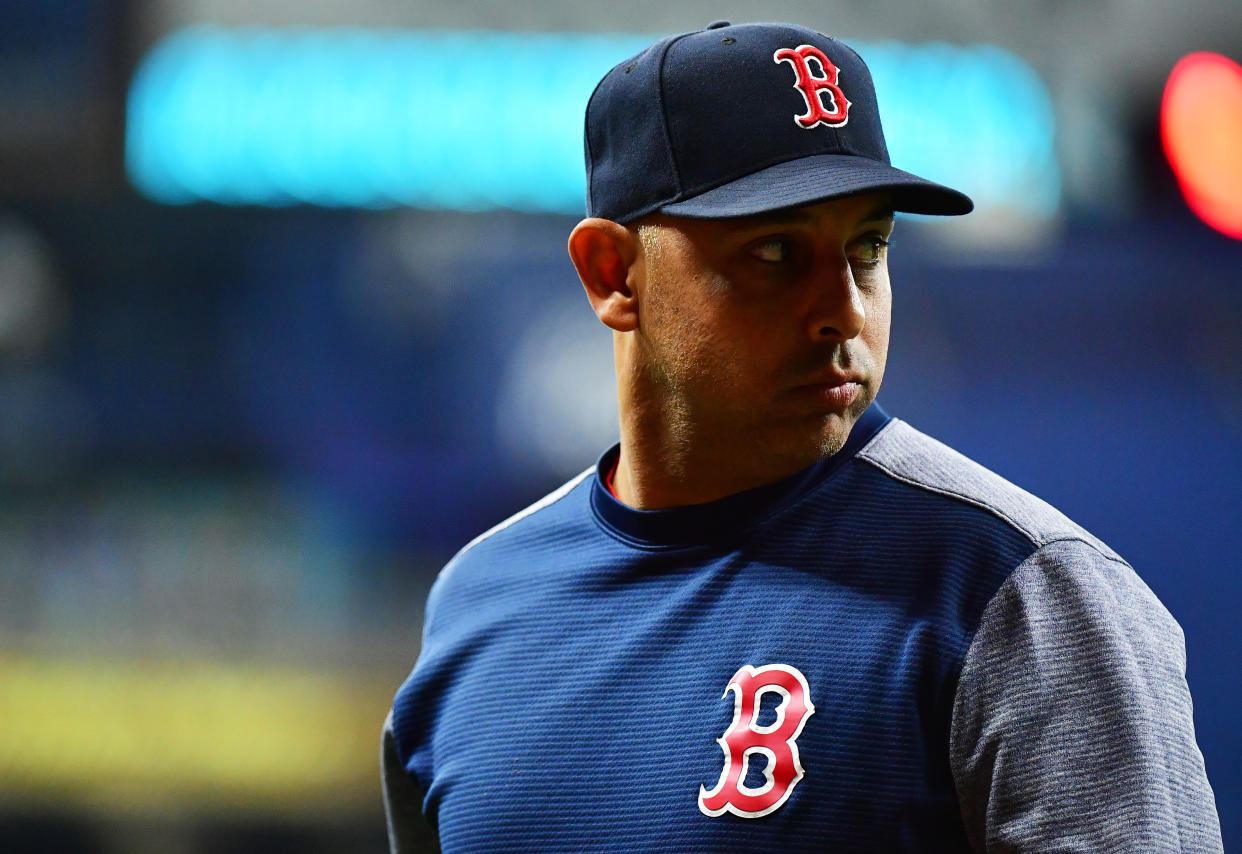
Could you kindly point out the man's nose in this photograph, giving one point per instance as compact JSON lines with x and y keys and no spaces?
{"x":837,"y":312}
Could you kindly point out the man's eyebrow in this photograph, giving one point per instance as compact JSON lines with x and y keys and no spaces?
{"x":884,"y":210}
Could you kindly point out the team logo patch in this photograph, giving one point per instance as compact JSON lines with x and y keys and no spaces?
{"x":774,"y":744}
{"x":815,"y":88}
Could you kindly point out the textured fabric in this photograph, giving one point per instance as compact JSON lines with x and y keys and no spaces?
{"x":926,"y":464}
{"x":408,"y":830}
{"x":1072,"y":727}
{"x":571,"y":688}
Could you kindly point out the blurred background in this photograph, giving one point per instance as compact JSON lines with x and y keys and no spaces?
{"x":286,"y":318}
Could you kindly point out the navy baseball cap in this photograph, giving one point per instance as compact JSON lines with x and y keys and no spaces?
{"x":736,"y":120}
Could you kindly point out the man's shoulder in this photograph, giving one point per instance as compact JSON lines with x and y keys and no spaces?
{"x":923,"y":463}
{"x":537,"y":514}
{"x":531,"y":529}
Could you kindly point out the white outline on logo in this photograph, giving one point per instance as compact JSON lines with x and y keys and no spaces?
{"x":770,"y":757}
{"x":806,"y":96}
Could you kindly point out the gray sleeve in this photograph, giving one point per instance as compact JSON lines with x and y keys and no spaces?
{"x":408,"y":830}
{"x":1072,"y":727}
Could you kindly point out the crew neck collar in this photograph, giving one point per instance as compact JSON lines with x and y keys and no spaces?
{"x":699,"y":524}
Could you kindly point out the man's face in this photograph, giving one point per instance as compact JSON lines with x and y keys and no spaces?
{"x":767,"y":336}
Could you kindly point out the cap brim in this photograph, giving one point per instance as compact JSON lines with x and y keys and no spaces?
{"x":821,"y":178}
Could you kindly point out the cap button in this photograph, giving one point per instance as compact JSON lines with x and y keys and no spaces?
{"x":715,"y":25}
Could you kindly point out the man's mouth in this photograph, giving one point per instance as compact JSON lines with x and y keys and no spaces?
{"x":835,"y":390}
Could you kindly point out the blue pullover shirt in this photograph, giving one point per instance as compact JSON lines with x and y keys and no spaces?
{"x":891,"y":650}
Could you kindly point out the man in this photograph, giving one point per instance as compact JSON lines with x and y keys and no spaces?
{"x":773,"y":617}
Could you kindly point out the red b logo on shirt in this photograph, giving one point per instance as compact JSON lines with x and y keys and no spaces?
{"x":772,"y":744}
{"x":814,"y":87}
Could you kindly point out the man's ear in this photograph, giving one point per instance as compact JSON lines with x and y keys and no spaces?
{"x":604,"y":253}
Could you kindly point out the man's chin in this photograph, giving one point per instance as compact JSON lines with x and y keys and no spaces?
{"x":833,"y":441}
{"x":837,"y":426}
{"x":827,"y":437}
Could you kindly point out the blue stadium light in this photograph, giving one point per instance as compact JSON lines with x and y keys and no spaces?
{"x":481,"y":120}
{"x":977,"y":118}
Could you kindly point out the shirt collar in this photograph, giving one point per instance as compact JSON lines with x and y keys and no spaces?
{"x":724,"y":518}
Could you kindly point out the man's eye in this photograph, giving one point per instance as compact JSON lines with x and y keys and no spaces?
{"x":869,"y":249}
{"x":772,"y":251}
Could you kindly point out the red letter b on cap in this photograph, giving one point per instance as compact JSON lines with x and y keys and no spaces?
{"x":814,"y":87}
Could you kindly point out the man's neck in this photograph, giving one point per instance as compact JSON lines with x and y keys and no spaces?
{"x":671,"y":463}
{"x":672,"y":457}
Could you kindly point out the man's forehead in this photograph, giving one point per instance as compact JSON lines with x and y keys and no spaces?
{"x":850,"y":211}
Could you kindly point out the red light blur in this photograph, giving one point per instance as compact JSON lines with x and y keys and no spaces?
{"x":1201,"y":125}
